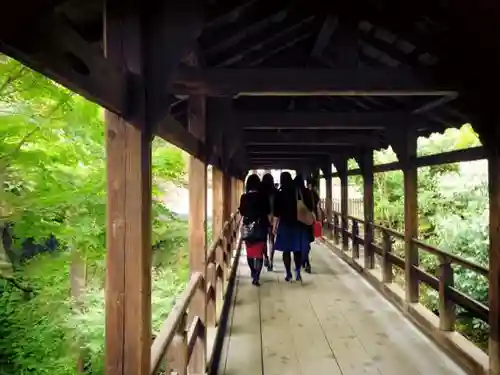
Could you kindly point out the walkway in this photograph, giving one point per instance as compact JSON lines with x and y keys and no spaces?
{"x":335,"y":323}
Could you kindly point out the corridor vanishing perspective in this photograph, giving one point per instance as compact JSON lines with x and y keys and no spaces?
{"x":303,"y":85}
{"x":333,"y":322}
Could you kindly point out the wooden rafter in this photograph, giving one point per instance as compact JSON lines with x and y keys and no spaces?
{"x":310,"y":138}
{"x":56,"y":50}
{"x":353,"y":82}
{"x":324,"y":120}
{"x":327,"y":29}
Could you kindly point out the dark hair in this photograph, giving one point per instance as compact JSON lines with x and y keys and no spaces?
{"x":253,"y":183}
{"x":267,"y":183}
{"x":286,"y":180}
{"x":299,"y":181}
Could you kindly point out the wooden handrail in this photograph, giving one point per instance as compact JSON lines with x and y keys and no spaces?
{"x":443,"y":283}
{"x":473,"y":266}
{"x":176,"y":316}
{"x":174,"y":332}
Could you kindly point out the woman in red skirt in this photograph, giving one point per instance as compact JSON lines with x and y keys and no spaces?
{"x":255,"y":209}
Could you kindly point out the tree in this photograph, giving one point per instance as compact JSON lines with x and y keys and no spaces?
{"x":52,"y":166}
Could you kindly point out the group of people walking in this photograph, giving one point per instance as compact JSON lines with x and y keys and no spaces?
{"x":274,"y":220}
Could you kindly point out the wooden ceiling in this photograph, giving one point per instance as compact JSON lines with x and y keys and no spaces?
{"x":286,"y":81}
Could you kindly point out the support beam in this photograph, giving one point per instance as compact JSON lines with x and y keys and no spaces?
{"x":329,"y":203}
{"x":341,"y":166}
{"x":296,"y":138}
{"x":324,"y":120}
{"x":197,"y":228}
{"x":79,"y":67}
{"x":327,"y":29}
{"x":457,"y":156}
{"x":494,"y":259}
{"x":227,"y":193}
{"x":217,"y":202}
{"x":304,"y":149}
{"x":406,"y":150}
{"x":490,"y":139}
{"x":365,"y":161}
{"x":174,"y":132}
{"x":341,"y":81}
{"x":277,"y":154}
{"x":170,"y":30}
{"x":128,"y":277}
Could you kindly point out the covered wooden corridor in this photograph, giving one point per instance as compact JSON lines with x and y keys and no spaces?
{"x":333,"y":323}
{"x":279,"y":84}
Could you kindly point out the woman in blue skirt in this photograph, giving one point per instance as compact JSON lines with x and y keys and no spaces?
{"x":292,"y":237}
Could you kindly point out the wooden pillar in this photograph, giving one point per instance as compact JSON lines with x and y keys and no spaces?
{"x":406,"y":149}
{"x":366,"y":164}
{"x":128,"y":235}
{"x":494,"y":254}
{"x":197,"y":227}
{"x":342,"y":169}
{"x":328,"y":204}
{"x":217,"y":202}
{"x":128,"y":264}
{"x":227,"y":196}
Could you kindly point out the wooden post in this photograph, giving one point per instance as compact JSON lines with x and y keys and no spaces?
{"x":226,"y":193}
{"x":366,"y":164}
{"x":217,"y":225}
{"x":128,"y":276}
{"x":217,"y":203}
{"x":336,"y":229}
{"x":344,"y":203}
{"x":446,"y":305}
{"x":177,"y":355}
{"x":355,"y":243}
{"x":197,"y":228}
{"x":328,"y":204}
{"x":386,"y":261}
{"x":407,"y":155}
{"x":227,"y":199}
{"x":494,"y":251}
{"x":128,"y":235}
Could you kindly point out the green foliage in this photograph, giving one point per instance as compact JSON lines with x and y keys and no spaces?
{"x":453,"y":216}
{"x":52,"y":168}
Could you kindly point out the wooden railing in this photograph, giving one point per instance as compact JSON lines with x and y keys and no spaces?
{"x":349,"y":240}
{"x":173,"y":348}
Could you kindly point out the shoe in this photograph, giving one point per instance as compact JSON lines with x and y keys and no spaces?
{"x":266,"y":263}
{"x":308,"y":268}
{"x":270,"y":266}
{"x":256,"y":283}
{"x":297,"y":275}
{"x":288,"y":277}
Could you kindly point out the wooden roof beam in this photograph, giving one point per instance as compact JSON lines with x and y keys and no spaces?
{"x":311,"y":138}
{"x":54,"y":49}
{"x":261,"y":44}
{"x":310,"y":149}
{"x":340,"y":81}
{"x":327,"y":29}
{"x":324,"y":120}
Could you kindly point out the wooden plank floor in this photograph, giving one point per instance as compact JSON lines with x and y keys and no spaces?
{"x":333,"y":323}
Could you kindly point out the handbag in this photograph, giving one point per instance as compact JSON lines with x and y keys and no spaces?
{"x":317,"y":229}
{"x":303,"y":214}
{"x":253,"y":231}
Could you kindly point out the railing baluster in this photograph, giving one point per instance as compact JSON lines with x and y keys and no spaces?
{"x":345,"y":230}
{"x":177,"y":357}
{"x":386,"y":260}
{"x":446,"y":305}
{"x":211,"y":295}
{"x":220,"y":273}
{"x":355,"y":242}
